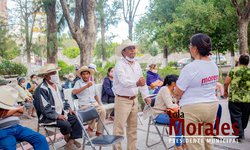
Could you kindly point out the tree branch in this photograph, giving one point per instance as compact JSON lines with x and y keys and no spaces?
{"x":236,"y":5}
{"x":136,"y":9}
{"x":78,"y":14}
{"x":67,"y":16}
{"x":124,"y":15}
{"x":246,"y":11}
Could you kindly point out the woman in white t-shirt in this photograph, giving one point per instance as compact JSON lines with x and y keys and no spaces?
{"x":196,"y":93}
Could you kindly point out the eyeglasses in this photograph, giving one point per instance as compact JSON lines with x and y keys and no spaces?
{"x":130,"y":47}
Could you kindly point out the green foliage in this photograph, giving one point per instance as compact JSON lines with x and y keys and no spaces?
{"x":10,"y":68}
{"x":65,"y":68}
{"x":110,"y":49}
{"x":71,"y":52}
{"x":171,"y":23}
{"x":173,"y":64}
{"x":8,"y":47}
{"x":102,"y":71}
{"x":167,"y":71}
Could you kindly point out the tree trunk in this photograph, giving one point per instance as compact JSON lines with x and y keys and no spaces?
{"x":27,"y":39}
{"x":103,"y":44}
{"x":243,"y":24}
{"x":130,"y":30}
{"x":85,"y":37}
{"x":165,"y":57}
{"x":52,"y":48}
{"x":232,"y":61}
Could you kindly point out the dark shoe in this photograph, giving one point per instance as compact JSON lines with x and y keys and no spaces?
{"x":70,"y":146}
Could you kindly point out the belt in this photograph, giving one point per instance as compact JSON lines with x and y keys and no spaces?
{"x":128,"y":97}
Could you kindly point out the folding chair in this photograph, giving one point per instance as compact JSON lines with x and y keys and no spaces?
{"x":89,"y":114}
{"x":21,"y":144}
{"x":156,"y":125}
{"x":46,"y":128}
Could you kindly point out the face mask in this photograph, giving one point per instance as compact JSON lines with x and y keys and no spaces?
{"x":154,"y":71}
{"x":71,"y":79}
{"x":23,"y":84}
{"x":54,"y":79}
{"x":130,"y":59}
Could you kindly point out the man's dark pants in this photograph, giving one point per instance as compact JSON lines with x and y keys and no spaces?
{"x":70,"y":126}
{"x":239,"y":113}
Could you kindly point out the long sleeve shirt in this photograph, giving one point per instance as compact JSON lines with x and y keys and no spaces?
{"x":125,"y":77}
{"x":163,"y":101}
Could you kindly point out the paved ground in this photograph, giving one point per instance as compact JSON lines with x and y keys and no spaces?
{"x":142,"y":131}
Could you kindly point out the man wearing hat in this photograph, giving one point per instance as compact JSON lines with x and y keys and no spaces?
{"x":48,"y":101}
{"x":10,"y":130}
{"x":87,"y":95}
{"x":128,"y":79}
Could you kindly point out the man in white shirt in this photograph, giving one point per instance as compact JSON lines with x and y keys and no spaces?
{"x":87,"y":95}
{"x":128,"y":79}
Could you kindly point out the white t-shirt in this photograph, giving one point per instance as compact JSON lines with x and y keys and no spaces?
{"x":198,"y":81}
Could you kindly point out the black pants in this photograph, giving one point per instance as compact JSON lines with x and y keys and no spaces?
{"x":70,"y":126}
{"x":239,"y":113}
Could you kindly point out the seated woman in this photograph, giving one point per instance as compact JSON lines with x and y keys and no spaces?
{"x":108,"y":95}
{"x":165,"y":100}
{"x":69,"y":83}
{"x":25,"y":97}
{"x":154,"y":81}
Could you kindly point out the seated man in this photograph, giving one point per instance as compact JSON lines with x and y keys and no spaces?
{"x":48,"y":101}
{"x":10,"y":130}
{"x":87,"y":95}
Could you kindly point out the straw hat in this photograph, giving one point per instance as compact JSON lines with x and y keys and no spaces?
{"x":8,"y":97}
{"x":84,"y":68}
{"x":48,"y":68}
{"x":125,"y":43}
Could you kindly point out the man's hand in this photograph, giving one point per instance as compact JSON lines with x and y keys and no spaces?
{"x":141,"y":82}
{"x":61,"y":117}
{"x":72,"y":112}
{"x":225,"y":94}
{"x":20,"y":109}
{"x":89,"y":84}
{"x":147,"y":100}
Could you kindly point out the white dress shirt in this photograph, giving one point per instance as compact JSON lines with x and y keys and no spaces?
{"x":125,"y":77}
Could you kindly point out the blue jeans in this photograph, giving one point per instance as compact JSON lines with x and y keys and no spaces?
{"x":218,"y":117}
{"x":164,"y":119}
{"x":9,"y":137}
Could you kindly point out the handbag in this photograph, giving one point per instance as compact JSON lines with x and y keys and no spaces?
{"x":173,"y":112}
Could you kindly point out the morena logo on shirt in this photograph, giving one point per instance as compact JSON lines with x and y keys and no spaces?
{"x":210,"y":79}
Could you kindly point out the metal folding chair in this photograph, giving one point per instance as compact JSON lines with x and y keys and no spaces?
{"x":89,"y":114}
{"x":21,"y":144}
{"x":156,"y":125}
{"x":46,"y":128}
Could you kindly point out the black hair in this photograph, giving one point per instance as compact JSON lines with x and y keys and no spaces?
{"x":109,"y":69}
{"x":152,"y":66}
{"x":244,"y":59}
{"x":169,"y":79}
{"x":20,"y":79}
{"x":32,"y":76}
{"x":85,"y":71}
{"x":203,"y":43}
